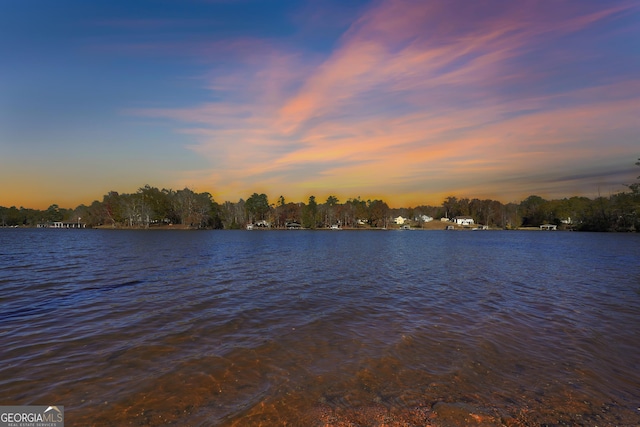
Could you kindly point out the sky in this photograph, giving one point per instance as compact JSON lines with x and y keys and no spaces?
{"x":408,"y":101}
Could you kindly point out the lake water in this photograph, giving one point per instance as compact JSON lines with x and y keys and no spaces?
{"x":315,"y":328}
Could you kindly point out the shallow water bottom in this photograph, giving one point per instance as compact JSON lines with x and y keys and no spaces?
{"x":277,"y":384}
{"x":383,"y":394}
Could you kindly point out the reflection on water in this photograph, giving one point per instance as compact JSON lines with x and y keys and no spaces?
{"x":322,"y":328}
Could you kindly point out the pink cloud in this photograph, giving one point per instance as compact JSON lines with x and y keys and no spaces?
{"x":412,"y":93}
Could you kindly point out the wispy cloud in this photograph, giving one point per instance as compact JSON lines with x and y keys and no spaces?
{"x":413,"y":92}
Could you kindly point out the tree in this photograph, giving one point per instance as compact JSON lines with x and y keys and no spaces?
{"x":293,"y":212}
{"x":159,"y":203}
{"x":532,"y":211}
{"x":454,"y":207}
{"x":360,"y":211}
{"x":599,"y":216}
{"x":186,"y":206}
{"x":625,"y":211}
{"x":206,"y":212}
{"x":353,"y":211}
{"x":257,"y":207}
{"x":377,"y":210}
{"x":91,"y":215}
{"x":347,"y":214}
{"x":450,"y":206}
{"x":136,"y":212}
{"x":330,"y":208}
{"x":233,"y":214}
{"x":113,"y":209}
{"x":53,"y":213}
{"x":309,"y":214}
{"x":280,"y":212}
{"x":635,"y":187}
{"x":11,"y":217}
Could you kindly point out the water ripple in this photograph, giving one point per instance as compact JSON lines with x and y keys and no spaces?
{"x":214,"y":327}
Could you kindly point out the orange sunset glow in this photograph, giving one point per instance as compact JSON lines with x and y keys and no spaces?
{"x":407,"y":101}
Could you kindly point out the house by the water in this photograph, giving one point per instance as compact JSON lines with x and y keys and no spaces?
{"x":62,"y":224}
{"x":463,"y":220}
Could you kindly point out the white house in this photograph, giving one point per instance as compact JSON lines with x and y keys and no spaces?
{"x":424,"y":218}
{"x":399,"y":220}
{"x":463,"y":220}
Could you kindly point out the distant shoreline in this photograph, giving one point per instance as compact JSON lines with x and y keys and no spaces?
{"x":427,"y":227}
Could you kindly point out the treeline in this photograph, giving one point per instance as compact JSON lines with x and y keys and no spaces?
{"x":151,"y":207}
{"x":147,"y":207}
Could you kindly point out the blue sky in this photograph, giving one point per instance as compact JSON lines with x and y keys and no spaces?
{"x":408,"y":101}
